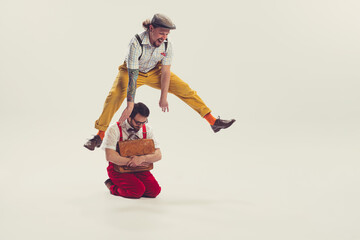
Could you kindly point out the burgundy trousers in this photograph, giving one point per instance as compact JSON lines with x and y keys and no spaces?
{"x":133,"y":185}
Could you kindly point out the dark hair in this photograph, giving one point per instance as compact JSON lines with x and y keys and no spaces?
{"x":146,"y":24}
{"x":140,"y":108}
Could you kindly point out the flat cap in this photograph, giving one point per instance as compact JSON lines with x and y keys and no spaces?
{"x":160,"y":20}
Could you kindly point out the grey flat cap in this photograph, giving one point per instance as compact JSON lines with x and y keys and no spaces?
{"x":160,"y":20}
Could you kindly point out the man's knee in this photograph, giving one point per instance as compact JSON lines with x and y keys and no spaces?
{"x":182,"y":90}
{"x":137,"y":191}
{"x":153,"y":191}
{"x":115,"y":97}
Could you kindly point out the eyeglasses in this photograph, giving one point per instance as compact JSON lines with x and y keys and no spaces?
{"x":139,"y":123}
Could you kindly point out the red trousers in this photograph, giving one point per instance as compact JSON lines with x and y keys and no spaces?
{"x":133,"y":185}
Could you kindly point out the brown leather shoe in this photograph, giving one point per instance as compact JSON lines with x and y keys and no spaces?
{"x":108,"y":183}
{"x":94,"y":142}
{"x":221,"y":124}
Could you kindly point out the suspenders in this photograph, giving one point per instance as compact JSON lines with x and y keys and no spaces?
{"x":121,"y":134}
{"x":140,"y":41}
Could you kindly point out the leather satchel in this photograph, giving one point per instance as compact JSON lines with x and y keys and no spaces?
{"x":136,"y":147}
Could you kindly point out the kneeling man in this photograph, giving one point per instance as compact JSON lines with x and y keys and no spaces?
{"x":133,"y":184}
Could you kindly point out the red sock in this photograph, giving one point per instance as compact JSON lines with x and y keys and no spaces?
{"x":101,"y":134}
{"x":210,"y":118}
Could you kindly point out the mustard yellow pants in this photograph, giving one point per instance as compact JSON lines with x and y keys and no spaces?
{"x":118,"y":93}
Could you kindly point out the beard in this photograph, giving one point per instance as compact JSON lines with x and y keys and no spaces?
{"x":135,"y":127}
{"x":158,"y":43}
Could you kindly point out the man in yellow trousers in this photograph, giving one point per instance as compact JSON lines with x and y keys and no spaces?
{"x":148,"y":63}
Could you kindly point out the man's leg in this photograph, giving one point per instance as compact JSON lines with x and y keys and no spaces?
{"x":125,"y":185}
{"x":152,"y":188}
{"x":112,"y":104}
{"x":183,"y":91}
{"x":114,"y":100}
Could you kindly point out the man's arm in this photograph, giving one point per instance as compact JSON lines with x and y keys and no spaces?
{"x":131,"y":90}
{"x":145,"y":159}
{"x":114,"y":157}
{"x":153,"y":157}
{"x":165,"y":83}
{"x":132,"y":61}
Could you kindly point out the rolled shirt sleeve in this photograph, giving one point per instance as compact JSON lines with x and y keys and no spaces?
{"x":169,"y":55}
{"x":111,"y":138}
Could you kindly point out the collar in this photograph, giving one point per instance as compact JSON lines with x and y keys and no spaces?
{"x":126,"y":125}
{"x":146,"y":39}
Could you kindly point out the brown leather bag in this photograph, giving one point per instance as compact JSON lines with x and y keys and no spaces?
{"x":136,"y":147}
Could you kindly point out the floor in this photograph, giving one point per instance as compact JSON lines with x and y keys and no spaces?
{"x":288,"y":169}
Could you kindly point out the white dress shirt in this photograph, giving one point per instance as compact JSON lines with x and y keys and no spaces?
{"x":112,"y":135}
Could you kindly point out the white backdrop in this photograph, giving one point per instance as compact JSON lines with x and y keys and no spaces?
{"x":287,"y":71}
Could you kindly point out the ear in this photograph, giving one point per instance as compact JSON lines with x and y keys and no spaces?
{"x":151,"y":27}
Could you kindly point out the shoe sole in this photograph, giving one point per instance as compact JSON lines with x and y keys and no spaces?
{"x":217,"y":130}
{"x":108,"y":181}
{"x":91,"y":149}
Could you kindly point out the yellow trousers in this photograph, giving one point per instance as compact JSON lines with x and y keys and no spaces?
{"x":118,"y":93}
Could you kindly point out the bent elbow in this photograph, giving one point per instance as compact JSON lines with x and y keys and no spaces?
{"x":159,"y":155}
{"x":108,"y":157}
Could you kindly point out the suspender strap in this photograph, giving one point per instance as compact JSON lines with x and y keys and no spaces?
{"x":140,"y":42}
{"x":144,"y":131}
{"x":166,"y":43}
{"x":120,"y":129}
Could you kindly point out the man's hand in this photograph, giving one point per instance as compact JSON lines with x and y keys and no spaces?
{"x":164,"y":105}
{"x":145,"y":164}
{"x":136,"y":161}
{"x":126,"y":113}
{"x":165,"y":83}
